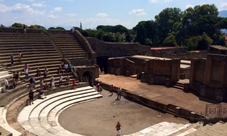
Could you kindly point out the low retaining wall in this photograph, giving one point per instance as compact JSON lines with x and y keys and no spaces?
{"x":171,"y":109}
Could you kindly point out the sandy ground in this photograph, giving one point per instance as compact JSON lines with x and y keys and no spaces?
{"x":99,"y":117}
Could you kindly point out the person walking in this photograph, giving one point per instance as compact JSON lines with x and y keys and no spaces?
{"x":118,"y":128}
{"x":119,"y":92}
{"x":111,"y":90}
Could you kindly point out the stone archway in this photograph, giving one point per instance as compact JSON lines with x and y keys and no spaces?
{"x":87,"y":77}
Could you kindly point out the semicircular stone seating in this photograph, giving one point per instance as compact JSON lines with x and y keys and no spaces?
{"x":41,"y":118}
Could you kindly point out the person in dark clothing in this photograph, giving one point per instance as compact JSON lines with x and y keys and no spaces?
{"x":31,"y":97}
{"x":119,"y":91}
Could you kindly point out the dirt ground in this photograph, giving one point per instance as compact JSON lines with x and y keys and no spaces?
{"x":99,"y":117}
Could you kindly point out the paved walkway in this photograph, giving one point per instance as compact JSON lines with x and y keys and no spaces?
{"x":157,"y":93}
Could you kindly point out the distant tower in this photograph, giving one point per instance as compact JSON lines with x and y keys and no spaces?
{"x":81,"y":25}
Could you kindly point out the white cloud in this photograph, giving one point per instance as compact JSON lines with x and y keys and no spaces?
{"x":38,"y":5}
{"x":137,"y":12}
{"x":102,"y":15}
{"x":71,"y":14}
{"x":56,"y":9}
{"x":168,"y":0}
{"x":4,"y":8}
{"x":223,"y":5}
{"x":21,"y":8}
{"x":53,"y":16}
{"x":157,"y":1}
{"x":187,"y":6}
{"x":154,"y":1}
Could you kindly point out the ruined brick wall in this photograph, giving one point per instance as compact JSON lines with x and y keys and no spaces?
{"x":154,"y":71}
{"x":114,"y":49}
{"x":208,"y":77}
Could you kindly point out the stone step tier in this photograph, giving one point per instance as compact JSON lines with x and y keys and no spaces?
{"x":40,"y":117}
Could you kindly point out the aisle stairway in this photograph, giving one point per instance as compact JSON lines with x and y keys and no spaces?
{"x":68,"y":45}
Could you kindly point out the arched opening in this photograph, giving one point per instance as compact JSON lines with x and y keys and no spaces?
{"x":87,"y":77}
{"x":102,"y":62}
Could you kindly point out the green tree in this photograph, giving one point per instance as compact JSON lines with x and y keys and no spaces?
{"x":192,"y":42}
{"x":170,"y":40}
{"x":17,"y":25}
{"x":204,"y":42}
{"x":100,"y":34}
{"x":168,"y":21}
{"x":140,"y":33}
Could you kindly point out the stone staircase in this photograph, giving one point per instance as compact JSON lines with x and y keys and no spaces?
{"x":38,"y":52}
{"x":41,"y":117}
{"x":161,"y":129}
{"x":68,"y":45}
{"x":218,"y":129}
{"x":179,"y":86}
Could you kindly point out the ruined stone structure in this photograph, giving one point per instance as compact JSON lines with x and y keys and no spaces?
{"x":208,"y":77}
{"x":218,"y":49}
{"x":152,"y":70}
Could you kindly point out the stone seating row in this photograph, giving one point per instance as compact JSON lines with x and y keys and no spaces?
{"x":41,"y":117}
{"x":161,"y":129}
{"x":218,"y":129}
{"x":29,"y":60}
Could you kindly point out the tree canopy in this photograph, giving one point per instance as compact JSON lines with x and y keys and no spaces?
{"x":194,"y":28}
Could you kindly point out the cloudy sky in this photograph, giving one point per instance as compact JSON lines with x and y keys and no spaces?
{"x":68,"y":13}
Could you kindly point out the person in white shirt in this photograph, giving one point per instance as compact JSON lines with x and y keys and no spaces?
{"x":66,"y":67}
{"x":60,"y":80}
{"x":7,"y":85}
{"x":52,"y":82}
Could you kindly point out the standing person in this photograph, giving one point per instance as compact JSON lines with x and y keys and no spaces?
{"x":12,"y":59}
{"x":6,"y":85}
{"x":111,"y":90}
{"x":41,"y":83}
{"x":20,"y":55}
{"x":118,"y":128}
{"x":67,"y":80}
{"x":60,"y":70}
{"x":32,"y":82}
{"x":38,"y":72}
{"x":74,"y":84}
{"x":26,"y":67}
{"x":52,"y":82}
{"x":45,"y":72}
{"x":119,"y":91}
{"x":60,"y":80}
{"x":31,"y":97}
{"x":66,"y":67}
